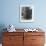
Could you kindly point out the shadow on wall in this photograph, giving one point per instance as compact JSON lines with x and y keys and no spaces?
{"x":2,"y":26}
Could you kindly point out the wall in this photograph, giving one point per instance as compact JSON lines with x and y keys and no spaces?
{"x":9,"y":13}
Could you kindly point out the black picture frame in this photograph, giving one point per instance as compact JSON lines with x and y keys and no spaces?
{"x":26,"y":13}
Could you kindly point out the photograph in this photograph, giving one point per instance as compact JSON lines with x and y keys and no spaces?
{"x":26,"y":13}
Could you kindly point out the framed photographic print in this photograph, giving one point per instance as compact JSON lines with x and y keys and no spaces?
{"x":26,"y":13}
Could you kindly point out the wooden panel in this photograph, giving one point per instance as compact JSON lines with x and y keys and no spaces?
{"x":17,"y":41}
{"x":13,"y":33}
{"x":33,"y":39}
{"x":27,"y":41}
{"x":11,"y":39}
{"x":34,"y":33}
{"x":37,"y":40}
{"x":38,"y":45}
